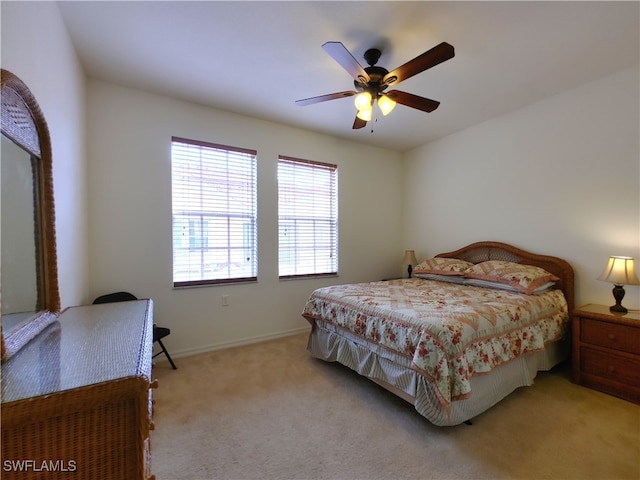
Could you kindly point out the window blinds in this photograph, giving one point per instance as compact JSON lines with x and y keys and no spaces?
{"x":214,"y":213}
{"x":307,"y":218}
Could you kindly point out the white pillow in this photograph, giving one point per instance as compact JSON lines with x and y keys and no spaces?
{"x":440,"y":278}
{"x":503,"y":286}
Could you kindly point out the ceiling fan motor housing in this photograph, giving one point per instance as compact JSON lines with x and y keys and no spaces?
{"x":375,"y":85}
{"x":372,"y":56}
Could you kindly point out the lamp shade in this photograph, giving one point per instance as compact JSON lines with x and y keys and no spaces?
{"x":363,"y":101}
{"x":386,"y":104}
{"x":620,"y":271}
{"x":365,"y":114}
{"x":409,"y":258}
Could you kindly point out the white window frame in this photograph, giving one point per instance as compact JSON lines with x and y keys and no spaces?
{"x":214,"y":213}
{"x":307,"y":218}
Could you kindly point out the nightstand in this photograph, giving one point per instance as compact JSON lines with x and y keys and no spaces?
{"x":606,"y":351}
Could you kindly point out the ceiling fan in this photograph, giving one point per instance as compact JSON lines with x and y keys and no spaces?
{"x":372,"y":81}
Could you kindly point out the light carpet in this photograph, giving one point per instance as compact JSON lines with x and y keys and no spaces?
{"x":270,"y":411}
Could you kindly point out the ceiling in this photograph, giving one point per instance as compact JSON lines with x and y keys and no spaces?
{"x":257,"y":58}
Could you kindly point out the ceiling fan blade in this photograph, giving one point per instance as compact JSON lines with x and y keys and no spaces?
{"x":324,"y":98}
{"x":413,"y":101}
{"x":358,"y":123}
{"x":340,"y":54}
{"x":428,"y":59}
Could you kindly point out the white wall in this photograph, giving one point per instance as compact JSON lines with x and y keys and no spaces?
{"x":129,"y":136}
{"x":559,"y":177}
{"x":37,"y":48}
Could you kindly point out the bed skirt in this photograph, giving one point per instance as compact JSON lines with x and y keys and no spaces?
{"x":395,"y":373}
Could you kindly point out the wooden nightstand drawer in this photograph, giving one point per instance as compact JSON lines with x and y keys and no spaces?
{"x":606,"y":351}
{"x":610,"y":366}
{"x":610,"y":335}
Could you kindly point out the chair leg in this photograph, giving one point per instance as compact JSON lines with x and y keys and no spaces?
{"x":166,"y":353}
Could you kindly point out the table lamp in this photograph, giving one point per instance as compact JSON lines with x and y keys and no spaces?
{"x":620,"y":271}
{"x":409,"y":259}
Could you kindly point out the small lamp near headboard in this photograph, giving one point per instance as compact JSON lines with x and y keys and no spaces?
{"x":620,"y":271}
{"x":410,"y":260}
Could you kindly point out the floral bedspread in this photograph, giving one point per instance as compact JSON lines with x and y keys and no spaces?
{"x":450,"y":332}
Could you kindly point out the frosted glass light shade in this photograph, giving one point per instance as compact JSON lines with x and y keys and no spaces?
{"x":363,"y":101}
{"x":365,"y":114}
{"x":386,"y":104}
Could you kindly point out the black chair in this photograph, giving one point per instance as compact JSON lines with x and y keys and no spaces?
{"x":158,"y":332}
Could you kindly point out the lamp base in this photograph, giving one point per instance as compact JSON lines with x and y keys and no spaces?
{"x":410,"y":269}
{"x":618,"y":294}
{"x":618,"y":309}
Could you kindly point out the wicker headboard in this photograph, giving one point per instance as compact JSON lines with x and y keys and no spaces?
{"x":483,"y":251}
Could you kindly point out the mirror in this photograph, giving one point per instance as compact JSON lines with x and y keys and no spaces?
{"x":28,"y":271}
{"x":19,"y":267}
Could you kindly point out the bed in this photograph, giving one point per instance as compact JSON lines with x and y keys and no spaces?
{"x":469,"y":327}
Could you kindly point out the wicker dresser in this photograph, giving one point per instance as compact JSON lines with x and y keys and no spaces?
{"x":76,"y":400}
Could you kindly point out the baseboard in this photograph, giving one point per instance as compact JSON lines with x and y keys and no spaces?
{"x":236,"y":343}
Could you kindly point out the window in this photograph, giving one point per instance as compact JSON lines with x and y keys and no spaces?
{"x":307,"y":218}
{"x":214,"y":213}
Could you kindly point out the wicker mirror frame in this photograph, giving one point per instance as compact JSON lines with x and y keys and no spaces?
{"x":23,"y":122}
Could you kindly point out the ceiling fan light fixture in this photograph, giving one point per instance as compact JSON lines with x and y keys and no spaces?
{"x":370,"y":82}
{"x":386,"y":105}
{"x":363,"y":101}
{"x":365,"y":114}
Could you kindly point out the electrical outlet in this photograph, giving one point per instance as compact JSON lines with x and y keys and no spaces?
{"x":225,"y":300}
